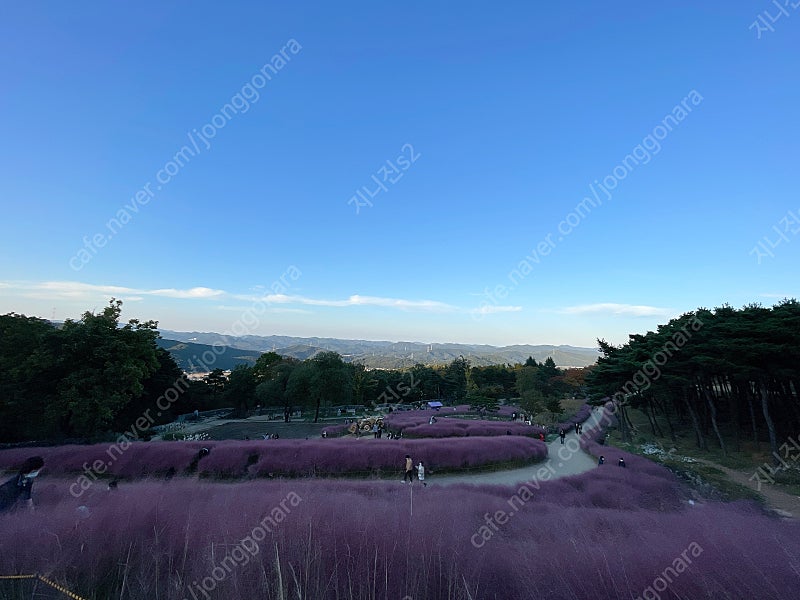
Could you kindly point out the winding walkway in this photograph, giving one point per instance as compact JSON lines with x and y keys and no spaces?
{"x":562,"y":460}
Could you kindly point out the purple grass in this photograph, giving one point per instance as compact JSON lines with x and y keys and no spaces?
{"x":589,"y":443}
{"x":416,"y":424}
{"x":609,"y":533}
{"x":507,"y":410}
{"x":459,"y":428}
{"x":280,"y":457}
{"x":336,"y":430}
{"x":583,"y":413}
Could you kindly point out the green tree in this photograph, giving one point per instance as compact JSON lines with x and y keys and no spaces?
{"x":262,"y":369}
{"x":300,"y":389}
{"x":554,"y":406}
{"x":103,"y":367}
{"x":240,"y":390}
{"x":331,"y":382}
{"x":167,"y":376}
{"x":454,"y":384}
{"x":721,"y":370}
{"x":482,"y":403}
{"x":532,"y":402}
{"x":216,"y":380}
{"x":26,"y":381}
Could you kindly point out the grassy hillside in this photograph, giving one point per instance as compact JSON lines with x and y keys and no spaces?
{"x":197,"y":358}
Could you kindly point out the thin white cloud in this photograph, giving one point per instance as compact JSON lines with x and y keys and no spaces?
{"x":78,"y":290}
{"x":195,"y":292}
{"x":276,"y":309}
{"x":610,"y":308}
{"x":355,"y":300}
{"x":488,"y":309}
{"x":73,"y":289}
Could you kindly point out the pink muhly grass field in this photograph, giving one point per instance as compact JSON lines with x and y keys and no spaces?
{"x":603,"y":535}
{"x":281,"y":457}
{"x":468,"y":428}
{"x":416,"y":424}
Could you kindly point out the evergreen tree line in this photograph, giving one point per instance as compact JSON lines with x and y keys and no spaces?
{"x":731,"y":375}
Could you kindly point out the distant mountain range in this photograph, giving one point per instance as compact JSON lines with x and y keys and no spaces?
{"x":188,"y":347}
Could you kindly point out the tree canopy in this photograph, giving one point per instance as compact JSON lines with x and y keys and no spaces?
{"x":716,"y":369}
{"x":77,"y":379}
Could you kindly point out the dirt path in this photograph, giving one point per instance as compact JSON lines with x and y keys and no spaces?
{"x":782,"y":503}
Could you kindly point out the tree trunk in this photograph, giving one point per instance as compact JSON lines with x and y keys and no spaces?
{"x":773,"y":441}
{"x":713,"y":411}
{"x":646,"y":412}
{"x":734,"y":409}
{"x":665,"y":409}
{"x":655,"y":421}
{"x":788,"y":398}
{"x":628,"y":420}
{"x":701,"y":440}
{"x":753,"y":421}
{"x":623,"y":425}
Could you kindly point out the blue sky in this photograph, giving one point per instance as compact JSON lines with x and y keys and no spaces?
{"x":500,"y":120}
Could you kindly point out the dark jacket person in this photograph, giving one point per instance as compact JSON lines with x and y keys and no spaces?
{"x":19,"y":487}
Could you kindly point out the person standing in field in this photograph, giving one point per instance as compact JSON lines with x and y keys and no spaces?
{"x":621,"y":462}
{"x":421,"y":473}
{"x":409,"y":470}
{"x":601,"y":461}
{"x":20,"y":486}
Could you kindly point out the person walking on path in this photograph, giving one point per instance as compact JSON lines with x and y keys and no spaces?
{"x":563,"y":434}
{"x":421,"y":473}
{"x":409,"y":470}
{"x":21,"y":485}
